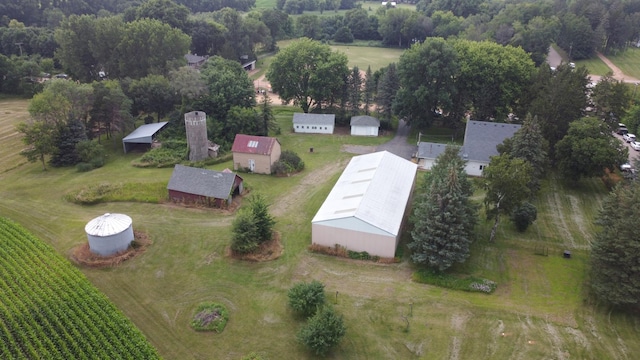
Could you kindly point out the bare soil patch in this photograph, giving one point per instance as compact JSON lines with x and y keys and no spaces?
{"x":358,"y":149}
{"x":82,"y":255}
{"x":269,"y":250}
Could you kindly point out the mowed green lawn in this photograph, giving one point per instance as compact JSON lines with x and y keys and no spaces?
{"x":628,"y":61}
{"x":360,"y":56}
{"x":538,"y":311}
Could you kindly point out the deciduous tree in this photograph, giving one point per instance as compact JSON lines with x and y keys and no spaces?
{"x":308,"y":73}
{"x":506,"y":182}
{"x":39,"y":137}
{"x":588,"y":149}
{"x":427,"y":74}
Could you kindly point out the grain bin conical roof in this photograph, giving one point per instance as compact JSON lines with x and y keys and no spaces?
{"x":108,"y":224}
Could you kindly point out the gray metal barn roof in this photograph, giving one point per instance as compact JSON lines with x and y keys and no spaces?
{"x":373,"y":188}
{"x":143,"y":134}
{"x":203,"y":182}
{"x":314,"y":119}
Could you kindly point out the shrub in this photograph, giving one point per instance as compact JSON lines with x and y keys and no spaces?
{"x":210,"y":316}
{"x":92,"y":155}
{"x":305,"y":298}
{"x":323,"y":331}
{"x":252,"y":356}
{"x":245,"y":233}
{"x":263,"y":220}
{"x":469,"y":283}
{"x":289,"y":162}
{"x":524,"y":216}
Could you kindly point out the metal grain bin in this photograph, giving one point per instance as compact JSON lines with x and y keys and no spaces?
{"x":109,"y":234}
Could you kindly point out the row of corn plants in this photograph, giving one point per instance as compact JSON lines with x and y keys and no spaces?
{"x":50,"y":310}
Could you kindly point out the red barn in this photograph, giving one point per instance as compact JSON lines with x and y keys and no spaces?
{"x":201,"y":186}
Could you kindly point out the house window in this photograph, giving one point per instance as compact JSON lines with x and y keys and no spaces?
{"x":325,"y":128}
{"x":481,"y":167}
{"x":297,"y":127}
{"x":307,"y":127}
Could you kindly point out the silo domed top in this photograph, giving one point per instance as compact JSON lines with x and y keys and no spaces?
{"x":108,"y":224}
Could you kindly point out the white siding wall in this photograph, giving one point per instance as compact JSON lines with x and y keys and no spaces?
{"x":364,"y":131}
{"x":374,"y":244}
{"x":426,"y":164}
{"x":313,"y":129}
{"x":474,"y":168}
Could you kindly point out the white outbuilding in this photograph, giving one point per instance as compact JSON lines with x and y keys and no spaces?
{"x":365,"y":210}
{"x":109,"y":234}
{"x":364,"y":125}
{"x":314,"y":123}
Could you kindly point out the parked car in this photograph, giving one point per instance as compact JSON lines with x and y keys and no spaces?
{"x":62,"y":76}
{"x":622,"y":131}
{"x":622,"y":125}
{"x":625,"y":167}
{"x":628,"y":137}
{"x":635,"y":145}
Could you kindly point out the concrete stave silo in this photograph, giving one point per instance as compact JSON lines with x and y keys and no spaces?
{"x":195,"y":123}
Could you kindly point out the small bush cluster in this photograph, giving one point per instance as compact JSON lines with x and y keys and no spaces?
{"x":134,"y":192}
{"x":91,"y":155}
{"x":306,"y":298}
{"x":252,"y":226}
{"x":341,"y":251}
{"x":470,"y":283}
{"x":324,"y":328}
{"x":362,"y":255}
{"x":172,"y":152}
{"x":288,"y":163}
{"x":210,"y":316}
{"x":524,"y":216}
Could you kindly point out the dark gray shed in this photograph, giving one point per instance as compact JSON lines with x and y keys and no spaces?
{"x":202,"y":186}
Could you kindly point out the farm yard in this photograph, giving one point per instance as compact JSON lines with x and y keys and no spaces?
{"x":538,"y":310}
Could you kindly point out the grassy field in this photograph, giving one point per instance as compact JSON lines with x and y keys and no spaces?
{"x":595,"y":66}
{"x":361,"y":56}
{"x":628,"y":61}
{"x":537,"y":312}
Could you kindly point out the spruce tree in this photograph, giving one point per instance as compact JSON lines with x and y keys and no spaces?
{"x":354,"y":91}
{"x":387,"y":88}
{"x":615,"y":253}
{"x":263,"y":220}
{"x":529,"y":144}
{"x":67,"y":137}
{"x":369,"y":92}
{"x":444,"y":216}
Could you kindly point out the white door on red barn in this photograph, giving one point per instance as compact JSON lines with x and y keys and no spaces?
{"x":252,"y":165}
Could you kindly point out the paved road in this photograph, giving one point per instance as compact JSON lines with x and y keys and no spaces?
{"x":399,"y":145}
{"x":553,"y":58}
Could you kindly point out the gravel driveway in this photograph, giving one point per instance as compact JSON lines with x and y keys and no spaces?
{"x":398,"y":145}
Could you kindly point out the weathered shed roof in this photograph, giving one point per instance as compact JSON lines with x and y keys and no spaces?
{"x":108,"y":224}
{"x":314,"y":119}
{"x":481,"y":139}
{"x":373,"y":188}
{"x":251,"y":144}
{"x":364,"y":120}
{"x":144,"y":133}
{"x":203,"y":182}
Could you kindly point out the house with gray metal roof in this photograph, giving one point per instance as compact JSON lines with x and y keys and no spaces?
{"x":142,"y":136}
{"x":481,"y":139}
{"x":428,"y":152}
{"x":314,"y":123}
{"x":364,"y":125}
{"x":204,"y":187}
{"x":366,"y":209}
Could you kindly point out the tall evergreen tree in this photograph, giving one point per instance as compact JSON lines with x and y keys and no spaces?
{"x":444,"y":217}
{"x":369,"y":92}
{"x":387,"y":88}
{"x":615,"y":253}
{"x":354,"y":90}
{"x":529,"y":144}
{"x":66,"y":139}
{"x":266,"y":116}
{"x":263,"y":220}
